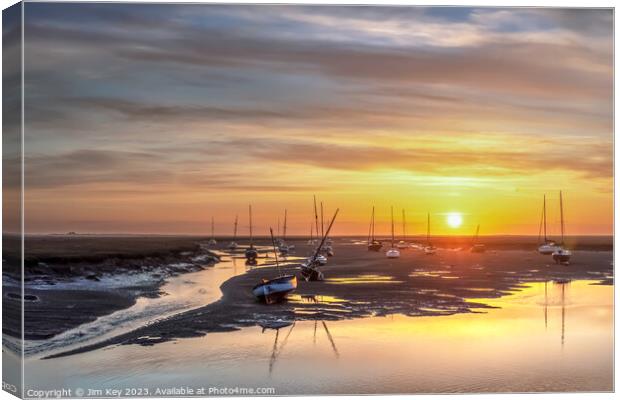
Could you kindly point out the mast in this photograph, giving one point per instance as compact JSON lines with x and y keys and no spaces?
{"x":428,"y":228}
{"x":311,"y":238}
{"x":404,"y":226}
{"x":561,"y":218}
{"x":373,"y":223}
{"x":212,"y":228}
{"x":251,"y":237}
{"x":545,"y":216}
{"x":329,"y":228}
{"x":392,"y":210}
{"x":275,"y":251}
{"x":322,"y":221}
{"x":371,"y":235}
{"x":235,"y":231}
{"x":540,"y":226}
{"x":284,"y":231}
{"x":316,"y":218}
{"x":475,"y":239}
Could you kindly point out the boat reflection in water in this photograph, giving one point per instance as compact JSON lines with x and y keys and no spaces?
{"x":278,"y":348}
{"x":522,"y":345}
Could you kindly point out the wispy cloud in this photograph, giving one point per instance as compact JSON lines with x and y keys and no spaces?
{"x":189,"y":97}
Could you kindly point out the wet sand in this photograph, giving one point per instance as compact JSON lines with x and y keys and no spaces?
{"x":62,"y":273}
{"x":361,"y":283}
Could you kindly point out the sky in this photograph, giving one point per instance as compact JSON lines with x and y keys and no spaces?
{"x":154,"y":118}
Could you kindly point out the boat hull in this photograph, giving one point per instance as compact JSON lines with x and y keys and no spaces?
{"x":310,"y":273}
{"x":392,"y":253}
{"x":547,"y":249}
{"x":275,"y":290}
{"x":429,"y":251}
{"x":478,"y":248}
{"x":375,"y":246}
{"x":561,"y":256}
{"x":251,"y":254}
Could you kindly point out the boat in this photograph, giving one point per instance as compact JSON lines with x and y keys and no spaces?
{"x":429,"y":250}
{"x":402,"y":244}
{"x":274,"y":290}
{"x":548,"y":246}
{"x":373,"y":244}
{"x":311,"y":241}
{"x":310,"y":269}
{"x":328,"y":250}
{"x":251,"y":254}
{"x":212,"y":241}
{"x":393,"y":251}
{"x":561,"y":255}
{"x":282,"y":246}
{"x":233,"y":245}
{"x":477,"y":247}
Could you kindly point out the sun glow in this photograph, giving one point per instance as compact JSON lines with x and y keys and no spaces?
{"x":454,"y":220}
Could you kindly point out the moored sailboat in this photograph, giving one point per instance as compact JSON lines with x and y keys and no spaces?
{"x":561,"y":255}
{"x":373,"y":243}
{"x":393,"y":251}
{"x":283,"y":247}
{"x":233,"y":245}
{"x":309,"y":269}
{"x":477,"y":247}
{"x":328,"y":250}
{"x":429,"y":249}
{"x":275,"y":290}
{"x":251,"y":254}
{"x":548,"y":246}
{"x":402,"y":244}
{"x":212,"y":241}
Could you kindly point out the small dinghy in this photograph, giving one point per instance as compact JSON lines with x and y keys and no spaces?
{"x":274,"y":290}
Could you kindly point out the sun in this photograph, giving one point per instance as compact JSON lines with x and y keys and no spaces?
{"x":454,"y":220}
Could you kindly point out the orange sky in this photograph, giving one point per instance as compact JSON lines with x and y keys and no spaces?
{"x":181,"y":115}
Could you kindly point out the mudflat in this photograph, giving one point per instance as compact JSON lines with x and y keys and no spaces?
{"x":360,"y":283}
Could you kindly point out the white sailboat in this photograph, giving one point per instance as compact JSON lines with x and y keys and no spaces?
{"x":548,"y":246}
{"x":402,"y":244}
{"x":283,"y":247}
{"x":561,"y":255}
{"x":429,"y":249}
{"x":275,"y":290}
{"x":392,"y":252}
{"x":233,"y":245}
{"x":251,"y":254}
{"x":212,"y":241}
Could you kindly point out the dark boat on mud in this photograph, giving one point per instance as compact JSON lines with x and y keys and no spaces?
{"x":310,"y":269}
